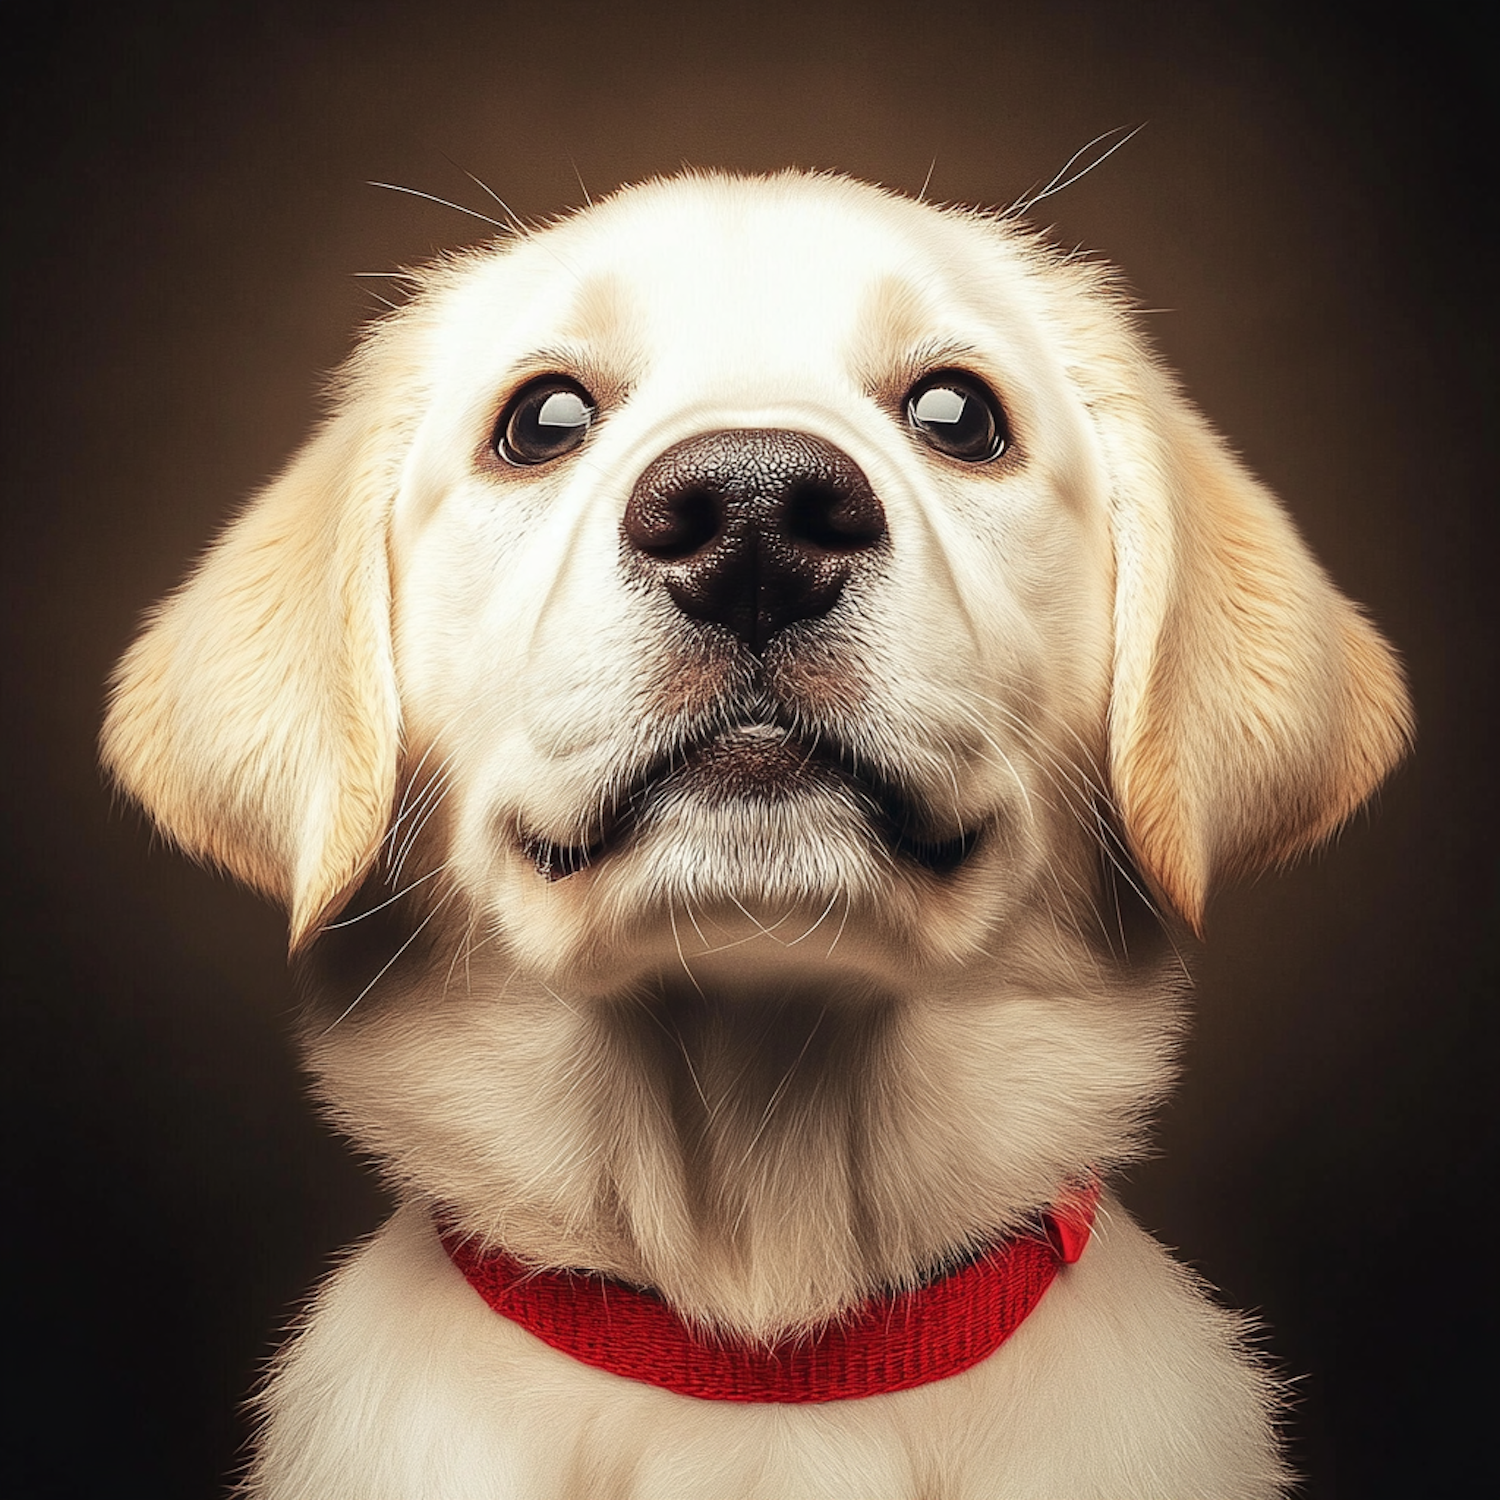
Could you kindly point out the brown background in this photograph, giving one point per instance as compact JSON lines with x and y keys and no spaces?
{"x":1308,"y":208}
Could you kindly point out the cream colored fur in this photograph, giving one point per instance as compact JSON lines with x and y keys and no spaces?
{"x":750,"y":1057}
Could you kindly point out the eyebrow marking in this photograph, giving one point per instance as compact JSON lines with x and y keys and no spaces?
{"x":892,"y":318}
{"x":603,"y":312}
{"x":895,"y":341}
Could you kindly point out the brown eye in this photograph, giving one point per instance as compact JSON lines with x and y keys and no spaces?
{"x":545,"y":419}
{"x":956,"y":414}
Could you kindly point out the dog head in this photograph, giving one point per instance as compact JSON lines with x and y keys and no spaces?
{"x":741,"y":548}
{"x":736,"y":619}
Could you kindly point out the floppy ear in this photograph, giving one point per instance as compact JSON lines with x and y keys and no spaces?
{"x":1254,"y":707}
{"x":256,"y":717}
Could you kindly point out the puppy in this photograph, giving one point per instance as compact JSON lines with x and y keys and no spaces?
{"x":724,"y":698}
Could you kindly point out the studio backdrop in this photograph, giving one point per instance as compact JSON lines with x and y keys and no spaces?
{"x":192,"y":241}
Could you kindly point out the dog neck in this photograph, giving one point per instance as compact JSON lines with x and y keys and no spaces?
{"x":765,"y":1160}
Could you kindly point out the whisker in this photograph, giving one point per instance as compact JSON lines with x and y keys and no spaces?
{"x":843,"y":922}
{"x":516,"y":223}
{"x":831,"y":901}
{"x":391,"y":900}
{"x":779,"y":1092}
{"x":1062,"y":181}
{"x":587,"y":198}
{"x":460,"y":951}
{"x":682,"y":957}
{"x":385,"y":967}
{"x":473,"y":213}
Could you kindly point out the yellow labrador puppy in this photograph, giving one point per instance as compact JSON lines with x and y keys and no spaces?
{"x":723,"y":697}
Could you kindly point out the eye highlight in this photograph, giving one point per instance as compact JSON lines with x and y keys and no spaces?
{"x":547,"y":418}
{"x":957,"y":415}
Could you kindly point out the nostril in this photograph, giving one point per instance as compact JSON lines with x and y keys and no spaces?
{"x":753,"y":529}
{"x":674,"y":526}
{"x":835,"y":519}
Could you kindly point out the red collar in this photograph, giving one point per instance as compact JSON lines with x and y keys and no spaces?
{"x":888,"y":1343}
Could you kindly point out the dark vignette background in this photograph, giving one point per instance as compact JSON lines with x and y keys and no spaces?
{"x":1309,"y":213}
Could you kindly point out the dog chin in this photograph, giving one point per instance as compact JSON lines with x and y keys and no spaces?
{"x":753,"y":841}
{"x":768,"y":856}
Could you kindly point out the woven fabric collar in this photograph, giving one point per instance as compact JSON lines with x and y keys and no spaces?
{"x":888,"y":1343}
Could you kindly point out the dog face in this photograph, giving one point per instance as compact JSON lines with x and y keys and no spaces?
{"x":757,"y":650}
{"x":746,"y":587}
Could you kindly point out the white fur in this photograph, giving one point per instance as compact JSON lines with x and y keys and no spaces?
{"x":751,"y":1057}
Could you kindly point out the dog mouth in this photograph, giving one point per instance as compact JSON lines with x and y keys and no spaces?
{"x":764,"y":763}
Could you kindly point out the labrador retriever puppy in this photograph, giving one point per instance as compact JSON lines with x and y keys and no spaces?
{"x":735,"y":698}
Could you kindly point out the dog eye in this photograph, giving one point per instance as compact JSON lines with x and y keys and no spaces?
{"x":545,"y":419}
{"x":956,"y":414}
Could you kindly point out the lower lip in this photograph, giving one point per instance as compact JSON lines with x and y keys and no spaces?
{"x":554,"y":862}
{"x":758,"y":762}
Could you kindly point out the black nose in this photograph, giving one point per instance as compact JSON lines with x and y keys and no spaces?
{"x":753,"y":528}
